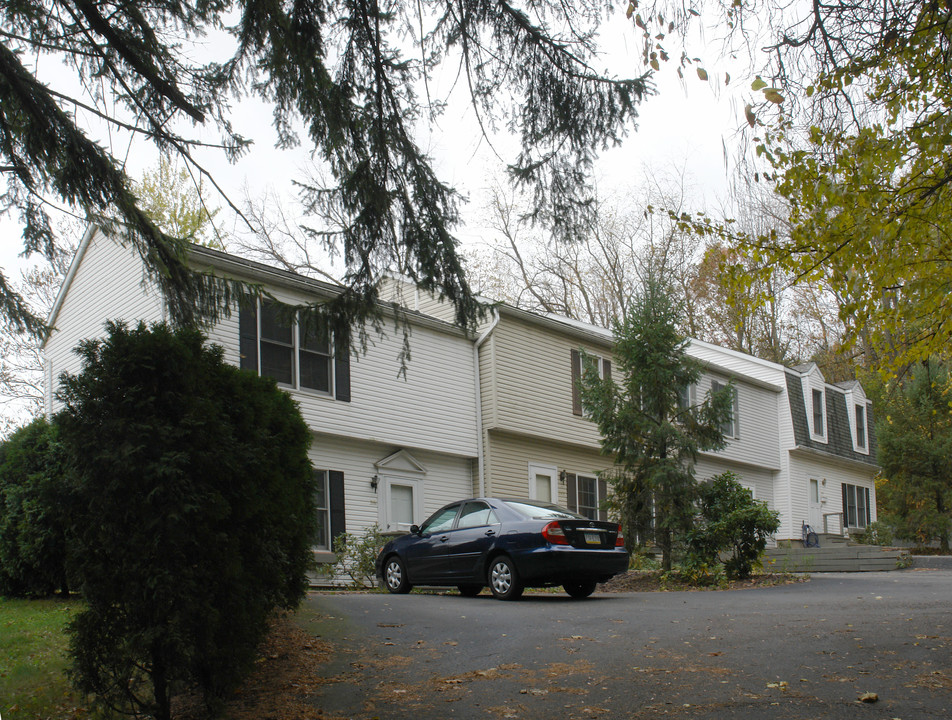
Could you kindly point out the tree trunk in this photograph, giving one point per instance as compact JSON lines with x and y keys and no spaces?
{"x":664,"y":540}
{"x":160,"y":688}
{"x":940,"y":506}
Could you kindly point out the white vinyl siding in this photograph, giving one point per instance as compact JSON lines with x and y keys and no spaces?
{"x":434,"y":407}
{"x":831,"y":476}
{"x":757,"y":422}
{"x":108,"y":283}
{"x":530,"y":388}
{"x":447,"y":478}
{"x":509,"y":456}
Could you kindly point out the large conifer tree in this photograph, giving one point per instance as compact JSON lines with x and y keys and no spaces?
{"x":648,"y":423}
{"x":347,"y":75}
{"x":915,"y":452}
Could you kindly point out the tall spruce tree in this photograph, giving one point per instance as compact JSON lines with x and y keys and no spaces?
{"x":915,"y":452}
{"x":346,"y":75}
{"x":647,"y":422}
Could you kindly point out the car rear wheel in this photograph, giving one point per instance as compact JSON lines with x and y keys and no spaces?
{"x":469,"y":590}
{"x":504,"y":580}
{"x":580,"y":590}
{"x":395,"y":576}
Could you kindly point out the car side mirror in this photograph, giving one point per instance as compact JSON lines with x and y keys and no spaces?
{"x":414,"y":529}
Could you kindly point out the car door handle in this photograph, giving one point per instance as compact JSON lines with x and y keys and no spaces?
{"x":490,"y":533}
{"x":443,"y":538}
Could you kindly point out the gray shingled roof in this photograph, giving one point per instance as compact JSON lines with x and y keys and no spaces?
{"x":838,"y":434}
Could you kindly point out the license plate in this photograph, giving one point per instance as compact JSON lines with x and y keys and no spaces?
{"x":593,"y":539}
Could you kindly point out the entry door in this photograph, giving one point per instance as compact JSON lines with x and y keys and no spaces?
{"x":542,"y":483}
{"x":814,"y":508}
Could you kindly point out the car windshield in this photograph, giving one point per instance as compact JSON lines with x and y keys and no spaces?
{"x":543,"y":511}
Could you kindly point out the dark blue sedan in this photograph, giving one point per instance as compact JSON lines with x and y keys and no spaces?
{"x":506,"y":544}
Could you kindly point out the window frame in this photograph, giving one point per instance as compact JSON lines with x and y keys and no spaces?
{"x":578,"y":358}
{"x":851,"y":492}
{"x":334,"y":511}
{"x":325,"y":543}
{"x":731,"y":428}
{"x":572,"y":494}
{"x":251,"y":342}
{"x":861,"y":435}
{"x":818,"y":411}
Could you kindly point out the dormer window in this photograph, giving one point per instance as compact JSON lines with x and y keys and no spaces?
{"x":818,"y":404}
{"x":861,"y":427}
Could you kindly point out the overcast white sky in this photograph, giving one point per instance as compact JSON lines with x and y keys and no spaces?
{"x":684,"y":128}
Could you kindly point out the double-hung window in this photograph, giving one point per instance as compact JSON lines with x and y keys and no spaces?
{"x":856,"y":507}
{"x":818,"y":406}
{"x":586,"y":495}
{"x":586,"y":362}
{"x":329,"y":505}
{"x":279,"y":344}
{"x":731,"y":427}
{"x":861,"y":427}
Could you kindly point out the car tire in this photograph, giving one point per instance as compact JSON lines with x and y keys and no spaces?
{"x":504,"y":579}
{"x":469,"y":590}
{"x":580,"y":590}
{"x":395,"y":576}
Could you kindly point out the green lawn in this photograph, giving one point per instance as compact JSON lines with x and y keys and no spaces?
{"x":33,"y":685}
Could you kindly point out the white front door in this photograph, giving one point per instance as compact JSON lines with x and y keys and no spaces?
{"x":401,"y":503}
{"x":543,"y":484}
{"x":814,"y":509}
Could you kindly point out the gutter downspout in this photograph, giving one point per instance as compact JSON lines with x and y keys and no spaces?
{"x":481,"y":466}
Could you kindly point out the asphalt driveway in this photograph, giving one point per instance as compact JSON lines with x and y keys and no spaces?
{"x":809,"y":650}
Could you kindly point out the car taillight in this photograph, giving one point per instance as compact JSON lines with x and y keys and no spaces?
{"x":554,"y":533}
{"x":620,"y":540}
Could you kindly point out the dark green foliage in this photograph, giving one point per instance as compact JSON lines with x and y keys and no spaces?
{"x":653,"y":436}
{"x":345,"y":73}
{"x":34,"y":511}
{"x":194,"y":515}
{"x":914,"y":494}
{"x":730,"y":520}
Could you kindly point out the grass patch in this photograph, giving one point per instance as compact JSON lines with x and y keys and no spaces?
{"x":33,"y":684}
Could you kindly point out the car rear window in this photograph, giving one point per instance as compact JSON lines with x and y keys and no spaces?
{"x":542,"y":511}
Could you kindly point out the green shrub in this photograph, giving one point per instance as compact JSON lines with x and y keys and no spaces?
{"x":34,"y":511}
{"x":194,"y":516}
{"x":877,"y":533}
{"x":357,"y":557}
{"x":729,"y":520}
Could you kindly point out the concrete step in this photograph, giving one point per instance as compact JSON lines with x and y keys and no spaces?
{"x":834,"y":558}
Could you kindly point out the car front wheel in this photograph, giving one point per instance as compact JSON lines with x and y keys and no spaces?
{"x":580,"y":590}
{"x":504,"y":580}
{"x":395,"y":576}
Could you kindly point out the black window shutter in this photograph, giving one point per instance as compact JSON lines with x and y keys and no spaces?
{"x":248,"y":338}
{"x":342,"y":374}
{"x":335,"y":484}
{"x":846,"y":510}
{"x":602,"y":497}
{"x":571,"y":492}
{"x":576,"y":376}
{"x":606,"y":369}
{"x":868,"y":514}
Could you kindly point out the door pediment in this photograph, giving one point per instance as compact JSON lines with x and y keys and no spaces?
{"x":401,"y":462}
